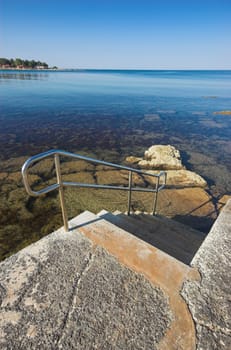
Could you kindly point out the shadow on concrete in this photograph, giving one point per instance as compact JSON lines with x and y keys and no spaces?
{"x":177,"y":242}
{"x":181,"y":243}
{"x":89,"y":222}
{"x":200,"y":223}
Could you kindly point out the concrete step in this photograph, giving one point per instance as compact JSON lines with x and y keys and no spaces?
{"x":184,"y":232}
{"x":175,"y":239}
{"x":106,"y":223}
{"x":82,"y":219}
{"x":104,"y":232}
{"x":176,"y":224}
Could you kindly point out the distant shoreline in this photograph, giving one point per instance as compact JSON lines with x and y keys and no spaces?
{"x":30,"y":69}
{"x":113,"y":70}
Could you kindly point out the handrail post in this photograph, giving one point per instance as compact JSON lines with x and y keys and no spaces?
{"x":129,"y":192}
{"x":61,"y":192}
{"x":156,"y":197}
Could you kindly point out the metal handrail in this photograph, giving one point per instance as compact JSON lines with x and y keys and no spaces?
{"x":61,"y":184}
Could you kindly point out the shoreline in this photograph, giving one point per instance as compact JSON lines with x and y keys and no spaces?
{"x":29,"y":69}
{"x":120,"y":70}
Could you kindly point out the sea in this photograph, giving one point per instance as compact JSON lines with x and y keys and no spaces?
{"x":110,"y":114}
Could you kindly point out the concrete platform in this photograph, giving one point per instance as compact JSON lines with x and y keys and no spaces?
{"x":95,"y":287}
{"x":100,"y":287}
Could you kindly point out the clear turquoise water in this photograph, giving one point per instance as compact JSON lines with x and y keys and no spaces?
{"x":110,"y":114}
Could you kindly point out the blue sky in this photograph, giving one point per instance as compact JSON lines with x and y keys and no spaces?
{"x":135,"y":34}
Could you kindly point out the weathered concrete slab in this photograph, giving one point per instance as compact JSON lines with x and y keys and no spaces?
{"x":115,"y":308}
{"x":37,"y":286}
{"x":209,"y":300}
{"x":158,"y":267}
{"x":70,"y":292}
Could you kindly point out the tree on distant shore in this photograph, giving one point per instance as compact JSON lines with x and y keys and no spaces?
{"x":20,"y":63}
{"x":4,"y":61}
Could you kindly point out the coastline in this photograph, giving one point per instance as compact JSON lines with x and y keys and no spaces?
{"x":124,"y":70}
{"x":29,"y":69}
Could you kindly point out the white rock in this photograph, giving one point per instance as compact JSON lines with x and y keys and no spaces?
{"x":133,"y":160}
{"x":180,"y":179}
{"x":161,"y":157}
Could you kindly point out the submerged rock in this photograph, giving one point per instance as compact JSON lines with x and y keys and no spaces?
{"x":223,"y":112}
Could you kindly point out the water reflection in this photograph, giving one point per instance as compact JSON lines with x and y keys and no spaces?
{"x":5,"y":76}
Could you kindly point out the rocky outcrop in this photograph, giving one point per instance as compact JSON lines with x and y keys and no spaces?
{"x":133,"y":160}
{"x":161,"y":157}
{"x":184,"y":197}
{"x":168,"y":158}
{"x":164,"y":157}
{"x":179,"y":179}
